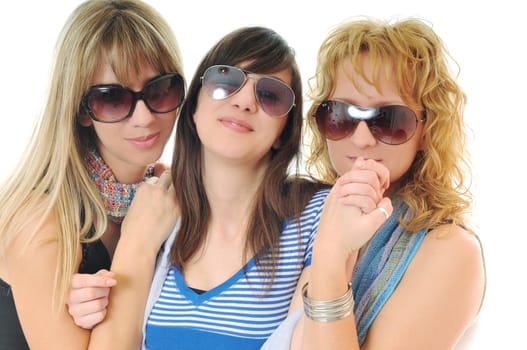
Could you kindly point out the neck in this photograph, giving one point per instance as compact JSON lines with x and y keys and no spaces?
{"x":231,"y":190}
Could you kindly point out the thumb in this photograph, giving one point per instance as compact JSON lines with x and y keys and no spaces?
{"x":159,"y":168}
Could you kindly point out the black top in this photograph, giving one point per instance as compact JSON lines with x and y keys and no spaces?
{"x":11,"y":335}
{"x":94,"y":257}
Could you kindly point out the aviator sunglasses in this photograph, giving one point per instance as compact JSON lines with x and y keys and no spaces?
{"x":274,"y":96}
{"x":112,"y":103}
{"x":392,"y":125}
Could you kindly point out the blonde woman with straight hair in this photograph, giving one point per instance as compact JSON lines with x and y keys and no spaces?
{"x":116,"y":87}
{"x":385,"y":100}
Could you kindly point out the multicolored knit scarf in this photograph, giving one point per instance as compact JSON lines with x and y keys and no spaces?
{"x":115,"y":195}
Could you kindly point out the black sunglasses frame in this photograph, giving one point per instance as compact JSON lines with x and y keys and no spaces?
{"x":136,"y":96}
{"x":371,"y":117}
{"x":246,"y":78}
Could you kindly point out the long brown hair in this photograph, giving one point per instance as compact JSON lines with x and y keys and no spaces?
{"x":279,"y":197}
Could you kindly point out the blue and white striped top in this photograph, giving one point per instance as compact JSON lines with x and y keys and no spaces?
{"x":242,"y":312}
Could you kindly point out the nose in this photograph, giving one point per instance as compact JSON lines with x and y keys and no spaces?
{"x":142,"y":116}
{"x":245,"y":98}
{"x":362,"y":136}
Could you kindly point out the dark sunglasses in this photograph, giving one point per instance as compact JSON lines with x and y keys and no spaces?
{"x":112,"y":103}
{"x":392,"y":125}
{"x":274,"y":96}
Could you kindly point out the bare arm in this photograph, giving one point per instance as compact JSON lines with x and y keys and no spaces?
{"x":133,"y":265}
{"x":348,"y":221}
{"x":88,"y":295}
{"x":31,"y":272}
{"x":438,"y":297}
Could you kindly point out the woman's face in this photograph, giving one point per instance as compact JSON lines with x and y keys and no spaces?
{"x":236,"y":128}
{"x":128,"y":146}
{"x":361,"y":143}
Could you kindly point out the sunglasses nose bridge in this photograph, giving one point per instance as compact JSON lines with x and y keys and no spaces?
{"x":136,"y":97}
{"x":245,"y":96}
{"x":362,"y":135}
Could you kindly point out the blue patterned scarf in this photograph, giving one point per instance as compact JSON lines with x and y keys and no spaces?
{"x":381,"y":267}
{"x":377,"y":273}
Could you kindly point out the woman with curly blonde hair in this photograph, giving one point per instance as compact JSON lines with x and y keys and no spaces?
{"x":388,"y":132}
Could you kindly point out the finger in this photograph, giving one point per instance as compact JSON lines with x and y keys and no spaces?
{"x":80,"y":309}
{"x":364,"y":203}
{"x":106,"y":273}
{"x":84,"y":280}
{"x":165,"y":180}
{"x":159,"y":168}
{"x":384,"y":209}
{"x":90,"y":320}
{"x":358,"y":189}
{"x":152,"y":180}
{"x":382,"y":172}
{"x":84,"y":295}
{"x":364,"y":176}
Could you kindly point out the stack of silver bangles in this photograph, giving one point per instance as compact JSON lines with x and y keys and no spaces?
{"x":328,"y":310}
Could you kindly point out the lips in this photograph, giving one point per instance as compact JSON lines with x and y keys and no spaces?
{"x":236,"y":124}
{"x":145,"y":141}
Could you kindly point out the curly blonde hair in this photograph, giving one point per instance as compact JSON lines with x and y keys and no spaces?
{"x":435,"y":186}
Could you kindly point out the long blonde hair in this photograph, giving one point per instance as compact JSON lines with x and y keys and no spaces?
{"x":435,"y":186}
{"x":51,"y":177}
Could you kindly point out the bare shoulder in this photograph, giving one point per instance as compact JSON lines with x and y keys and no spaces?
{"x":37,"y":233}
{"x":438,"y":297}
{"x":455,"y":256}
{"x":452,"y":247}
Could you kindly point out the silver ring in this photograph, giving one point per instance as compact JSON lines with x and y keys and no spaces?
{"x":382,"y":210}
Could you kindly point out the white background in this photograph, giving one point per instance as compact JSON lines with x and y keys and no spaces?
{"x":487,"y":40}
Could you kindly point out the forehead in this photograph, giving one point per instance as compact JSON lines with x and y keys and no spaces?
{"x":285,"y":74}
{"x":366,"y":80}
{"x":108,"y":73}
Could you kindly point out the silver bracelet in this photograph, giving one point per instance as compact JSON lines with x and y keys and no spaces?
{"x":328,"y":310}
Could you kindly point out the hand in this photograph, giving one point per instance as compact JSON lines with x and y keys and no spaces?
{"x":88,"y":297}
{"x":348,"y":226}
{"x":160,"y":168}
{"x":363,"y":185}
{"x":349,"y":218}
{"x":152,"y":214}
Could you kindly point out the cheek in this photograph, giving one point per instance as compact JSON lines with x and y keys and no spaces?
{"x":399,"y":160}
{"x":105,"y":132}
{"x":169,"y":120}
{"x":337,"y":156}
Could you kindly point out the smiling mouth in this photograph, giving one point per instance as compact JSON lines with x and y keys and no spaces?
{"x":145,"y":141}
{"x":236,"y":125}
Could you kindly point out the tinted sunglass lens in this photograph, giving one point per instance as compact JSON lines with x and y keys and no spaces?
{"x":394,"y":125}
{"x":275,"y":97}
{"x":110,"y":103}
{"x":164,"y":94}
{"x":333,"y":120}
{"x":221,"y":82}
